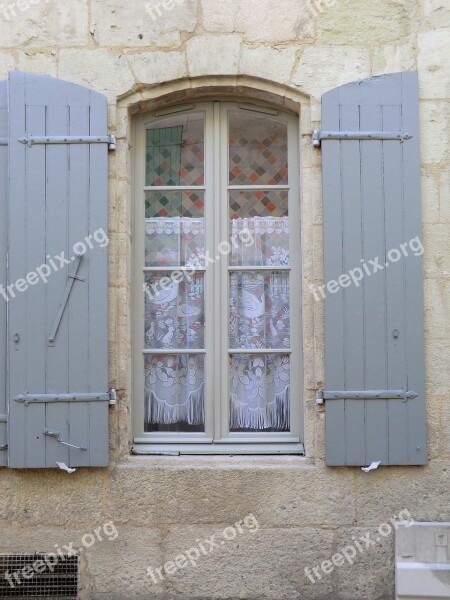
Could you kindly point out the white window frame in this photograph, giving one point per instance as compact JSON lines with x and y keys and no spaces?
{"x":217,"y":439}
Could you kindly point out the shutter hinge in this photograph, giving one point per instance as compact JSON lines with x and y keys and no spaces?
{"x":3,"y":418}
{"x":402,"y":394}
{"x":4,"y":447}
{"x":31,"y":140}
{"x":27,"y":399}
{"x":3,"y":141}
{"x":112,"y":397}
{"x":318,"y":136}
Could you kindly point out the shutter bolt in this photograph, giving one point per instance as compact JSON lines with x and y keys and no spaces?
{"x":395,"y":334}
{"x":16,"y":338}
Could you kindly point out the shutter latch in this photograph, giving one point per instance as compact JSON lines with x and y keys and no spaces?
{"x":402,"y":394}
{"x":57,"y":435}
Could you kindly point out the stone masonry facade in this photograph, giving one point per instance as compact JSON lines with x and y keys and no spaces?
{"x":144,"y":54}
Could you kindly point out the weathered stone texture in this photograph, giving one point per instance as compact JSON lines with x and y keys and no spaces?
{"x":134,"y":51}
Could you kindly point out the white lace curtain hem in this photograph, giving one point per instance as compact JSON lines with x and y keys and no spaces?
{"x":274,"y":415}
{"x":192,"y":411}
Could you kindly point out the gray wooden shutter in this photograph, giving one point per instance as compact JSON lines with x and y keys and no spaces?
{"x":58,"y":390}
{"x":3,"y":262}
{"x":373,"y":330}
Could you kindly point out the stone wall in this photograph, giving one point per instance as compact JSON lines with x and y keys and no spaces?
{"x":295,"y":50}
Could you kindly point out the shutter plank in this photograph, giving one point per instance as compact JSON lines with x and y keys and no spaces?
{"x":98,"y":324}
{"x":79,"y":415}
{"x":333,"y":267}
{"x":57,"y":200}
{"x":372,"y":199}
{"x":72,"y":199}
{"x":35,"y":299}
{"x":353,"y":296}
{"x":17,"y":267}
{"x":3,"y":255}
{"x":387,"y":206}
{"x":395,"y":292}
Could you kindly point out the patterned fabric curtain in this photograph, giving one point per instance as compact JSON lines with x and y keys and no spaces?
{"x":259,"y":319}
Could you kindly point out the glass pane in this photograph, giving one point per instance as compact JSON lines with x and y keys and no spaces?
{"x":258,"y":150}
{"x":174,"y":310}
{"x":259,"y":392}
{"x":175,"y":229}
{"x":175,"y":151}
{"x":174,"y":393}
{"x":259,"y":310}
{"x":259,"y":228}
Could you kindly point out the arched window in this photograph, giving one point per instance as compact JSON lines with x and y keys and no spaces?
{"x":218,"y":361}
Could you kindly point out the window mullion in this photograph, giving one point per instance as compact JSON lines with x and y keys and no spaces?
{"x":222,"y":267}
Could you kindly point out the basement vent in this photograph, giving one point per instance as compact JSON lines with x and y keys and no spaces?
{"x":39,"y":576}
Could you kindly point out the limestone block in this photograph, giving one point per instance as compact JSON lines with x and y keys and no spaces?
{"x":437,"y":12}
{"x":359,"y":21}
{"x":391,"y":58}
{"x":143,"y":24}
{"x":435,"y":131}
{"x":423,"y":491}
{"x":259,"y":20}
{"x":372,"y":573}
{"x":430,"y":197}
{"x":275,"y":64}
{"x":43,"y":23}
{"x":322,"y":68}
{"x":434,"y":63}
{"x":220,"y":490}
{"x":100,"y":69}
{"x":267,"y":564}
{"x":156,"y":67}
{"x":51,"y":497}
{"x":44,"y":63}
{"x":213,"y":55}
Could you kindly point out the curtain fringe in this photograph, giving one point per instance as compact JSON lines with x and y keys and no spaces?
{"x":274,"y":415}
{"x":160,"y":412}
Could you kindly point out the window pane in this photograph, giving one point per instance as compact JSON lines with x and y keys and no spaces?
{"x":175,"y":151}
{"x":175,"y":229}
{"x":259,"y":310}
{"x":259,"y":392}
{"x":174,"y":393}
{"x":174,"y":311}
{"x":258,"y":150}
{"x":259,"y":228}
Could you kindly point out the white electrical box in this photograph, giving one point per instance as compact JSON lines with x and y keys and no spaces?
{"x":422,"y":561}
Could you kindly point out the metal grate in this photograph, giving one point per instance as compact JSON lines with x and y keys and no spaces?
{"x":39,"y":576}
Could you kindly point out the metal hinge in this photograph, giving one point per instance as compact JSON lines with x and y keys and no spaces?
{"x":3,"y":141}
{"x":402,"y":394}
{"x":3,"y":418}
{"x":30,"y":140}
{"x":318,"y":136}
{"x":27,"y":399}
{"x":4,"y":447}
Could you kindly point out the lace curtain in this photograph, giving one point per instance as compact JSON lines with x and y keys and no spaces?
{"x":259,"y":319}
